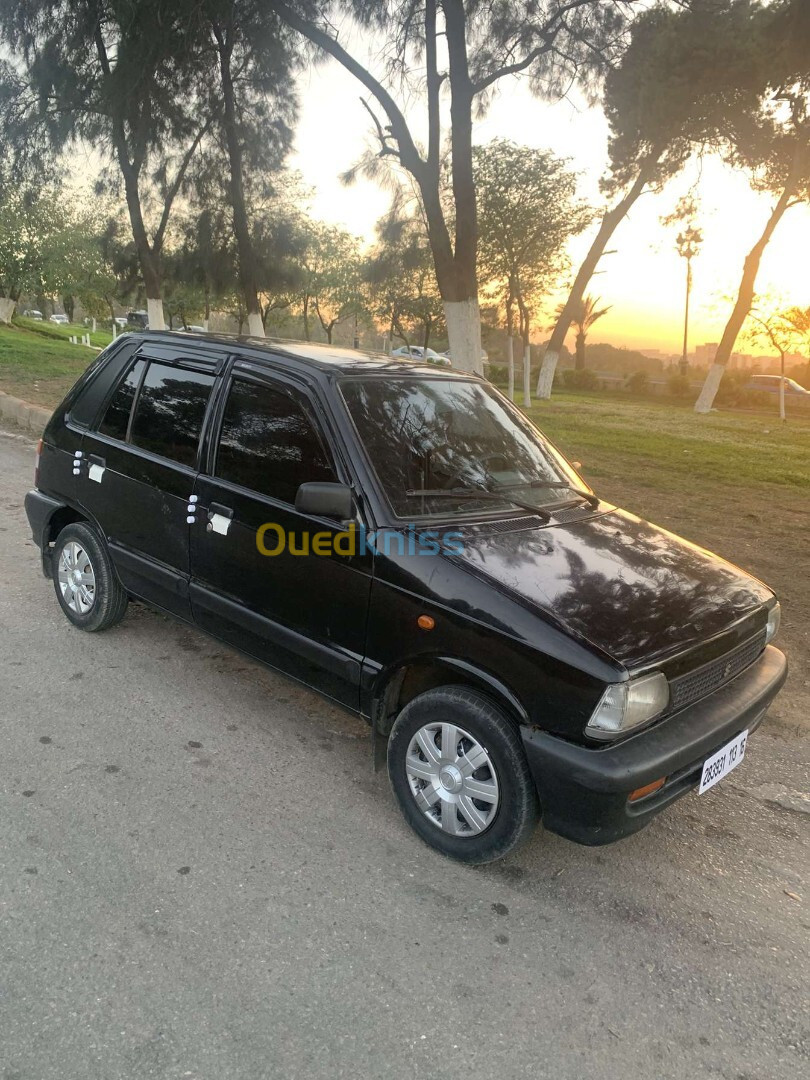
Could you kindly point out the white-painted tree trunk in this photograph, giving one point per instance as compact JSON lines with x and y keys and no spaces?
{"x":154,"y":310}
{"x":464,"y":333}
{"x":527,"y":376}
{"x":94,"y":326}
{"x":709,"y":389}
{"x":114,"y":328}
{"x":545,"y":380}
{"x":255,"y":328}
{"x":782,"y":415}
{"x":6,"y":309}
{"x":510,"y":359}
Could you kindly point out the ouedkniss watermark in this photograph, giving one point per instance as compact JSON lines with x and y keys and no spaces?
{"x":273,"y":539}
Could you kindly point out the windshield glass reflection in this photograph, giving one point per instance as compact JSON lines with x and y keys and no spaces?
{"x":449,"y":438}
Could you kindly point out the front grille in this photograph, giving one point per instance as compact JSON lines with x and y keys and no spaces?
{"x":705,"y":680}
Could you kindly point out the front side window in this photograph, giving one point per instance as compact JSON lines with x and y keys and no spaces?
{"x":436,"y":443}
{"x":116,"y":418}
{"x":268,"y":442}
{"x":170,"y":412}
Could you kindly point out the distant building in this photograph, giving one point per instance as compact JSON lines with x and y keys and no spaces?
{"x":705,"y":354}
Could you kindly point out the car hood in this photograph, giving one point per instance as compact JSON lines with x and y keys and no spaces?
{"x":635,"y":591}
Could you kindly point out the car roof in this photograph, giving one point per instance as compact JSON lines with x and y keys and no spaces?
{"x":323,"y":358}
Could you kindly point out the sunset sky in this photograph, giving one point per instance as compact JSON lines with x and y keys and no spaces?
{"x":644,"y":280}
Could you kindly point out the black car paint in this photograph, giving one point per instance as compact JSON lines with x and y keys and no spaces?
{"x":538,"y":616}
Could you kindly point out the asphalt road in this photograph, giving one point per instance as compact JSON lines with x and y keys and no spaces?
{"x":201,"y":878}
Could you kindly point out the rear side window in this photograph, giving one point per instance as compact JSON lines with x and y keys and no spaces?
{"x":269,"y":443}
{"x":170,"y":412}
{"x":116,"y":418}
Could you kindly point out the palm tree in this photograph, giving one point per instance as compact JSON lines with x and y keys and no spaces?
{"x":586,"y":314}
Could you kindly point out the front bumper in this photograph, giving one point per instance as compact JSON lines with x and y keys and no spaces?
{"x":584,"y":790}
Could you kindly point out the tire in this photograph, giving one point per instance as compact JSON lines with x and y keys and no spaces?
{"x":441,"y":803}
{"x":96,"y":600}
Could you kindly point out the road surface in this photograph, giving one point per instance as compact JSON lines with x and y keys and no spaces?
{"x":201,"y":878}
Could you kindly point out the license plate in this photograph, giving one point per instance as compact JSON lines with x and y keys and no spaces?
{"x":721,"y":763}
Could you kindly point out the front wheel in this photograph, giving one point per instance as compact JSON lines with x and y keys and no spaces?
{"x":460,"y":775}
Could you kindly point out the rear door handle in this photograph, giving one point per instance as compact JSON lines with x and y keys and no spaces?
{"x":219,"y":518}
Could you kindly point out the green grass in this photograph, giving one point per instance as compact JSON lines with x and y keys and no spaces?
{"x":63,"y":332}
{"x":668,"y":447}
{"x":40,"y":367}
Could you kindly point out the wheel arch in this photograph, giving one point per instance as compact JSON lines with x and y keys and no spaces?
{"x":395,"y":687}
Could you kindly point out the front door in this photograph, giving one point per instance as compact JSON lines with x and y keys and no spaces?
{"x":138,"y":470}
{"x":282,"y":586}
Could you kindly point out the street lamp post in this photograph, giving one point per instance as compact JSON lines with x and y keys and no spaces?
{"x":688,"y":245}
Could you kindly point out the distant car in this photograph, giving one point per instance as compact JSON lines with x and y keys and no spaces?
{"x":138,"y":318}
{"x":194,"y":328}
{"x":770,"y":384}
{"x":420,"y":353}
{"x":33,"y":314}
{"x":63,"y":320}
{"x":120,"y":321}
{"x":484,"y":356}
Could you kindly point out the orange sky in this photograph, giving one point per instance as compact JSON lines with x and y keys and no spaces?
{"x":644,"y":280}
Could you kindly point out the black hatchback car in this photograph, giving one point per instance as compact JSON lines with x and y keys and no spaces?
{"x":403,"y":540}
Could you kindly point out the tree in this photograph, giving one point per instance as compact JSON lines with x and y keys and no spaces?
{"x":254,"y":107}
{"x":466,"y":49}
{"x":113,"y":74}
{"x":780,"y":330}
{"x":586,"y":314}
{"x":774,"y":143}
{"x":527,"y":211}
{"x":331,"y":286}
{"x":401,"y":281}
{"x":684,"y":73}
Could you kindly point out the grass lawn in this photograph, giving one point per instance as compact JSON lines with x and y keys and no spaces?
{"x":63,"y":331}
{"x":737,"y":483}
{"x":40,"y":366}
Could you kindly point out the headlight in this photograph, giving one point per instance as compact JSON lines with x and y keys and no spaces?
{"x":626,"y":705}
{"x":774,"y":619}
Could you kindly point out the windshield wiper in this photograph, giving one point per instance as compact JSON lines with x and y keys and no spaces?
{"x":592,"y":500}
{"x":483,"y":496}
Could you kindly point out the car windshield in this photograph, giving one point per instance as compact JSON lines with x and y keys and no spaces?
{"x":433,"y":443}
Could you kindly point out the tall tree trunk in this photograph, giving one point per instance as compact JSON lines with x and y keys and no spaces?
{"x":747,"y":289}
{"x":610,"y":222}
{"x":306,"y":317}
{"x":69,"y":305}
{"x":7,"y":305}
{"x":247,"y":261}
{"x":461,"y":298}
{"x":579,"y":363}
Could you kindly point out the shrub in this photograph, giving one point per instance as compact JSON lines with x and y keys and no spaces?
{"x":580,"y":380}
{"x":638,"y":383}
{"x":679,"y":386}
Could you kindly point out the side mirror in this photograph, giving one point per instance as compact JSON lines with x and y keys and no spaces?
{"x":325,"y":500}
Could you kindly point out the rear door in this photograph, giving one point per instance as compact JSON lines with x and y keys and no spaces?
{"x":305,"y":614}
{"x":139,"y":467}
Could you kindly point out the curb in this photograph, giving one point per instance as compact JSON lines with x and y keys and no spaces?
{"x":23,"y":414}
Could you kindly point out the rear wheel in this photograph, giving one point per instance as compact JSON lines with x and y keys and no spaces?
{"x":460,"y":775}
{"x":86,"y":585}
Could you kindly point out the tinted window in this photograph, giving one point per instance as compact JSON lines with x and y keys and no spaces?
{"x":116,"y":418}
{"x":268,"y":442}
{"x":170,"y":411}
